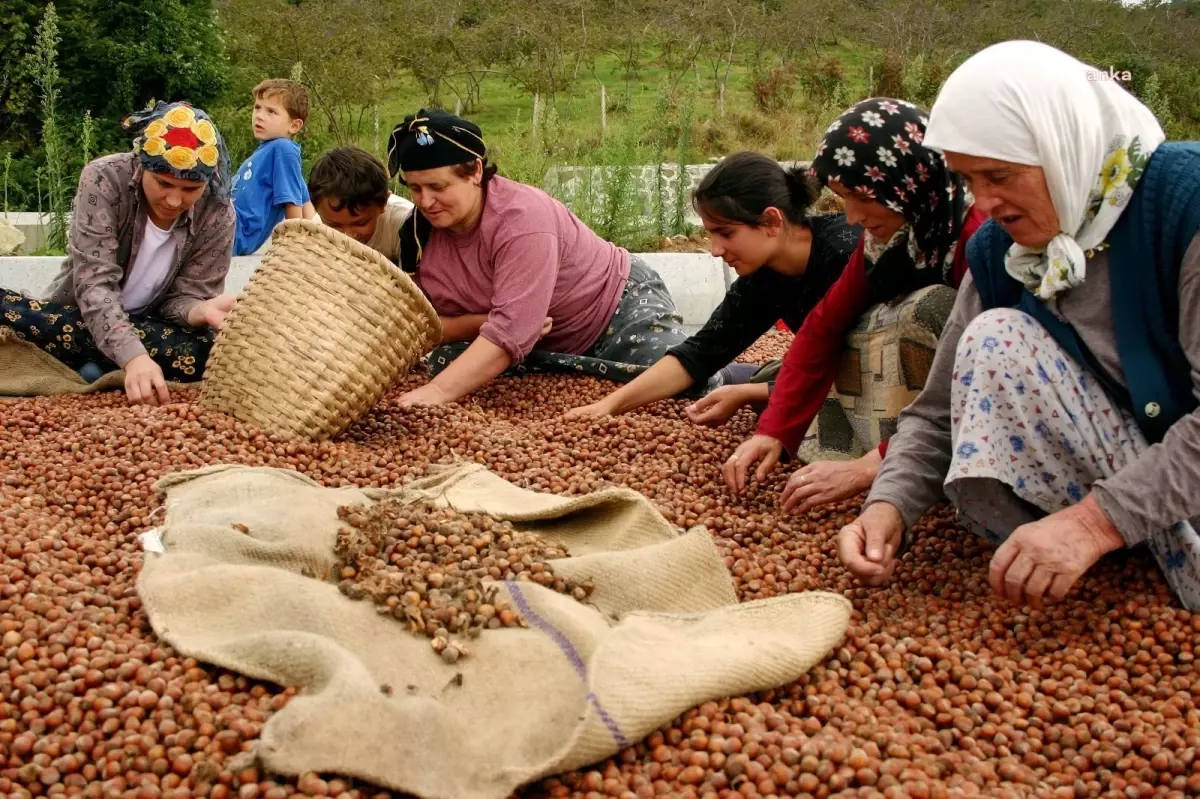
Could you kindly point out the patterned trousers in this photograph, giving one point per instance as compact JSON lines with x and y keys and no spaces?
{"x":644,"y":326}
{"x":59,"y":329}
{"x":1032,"y":429}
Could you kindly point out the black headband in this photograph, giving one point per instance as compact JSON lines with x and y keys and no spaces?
{"x":433,"y":138}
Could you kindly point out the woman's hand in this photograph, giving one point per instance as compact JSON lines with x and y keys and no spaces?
{"x":546,"y":326}
{"x":829,"y":481}
{"x":596,"y":410}
{"x":144,"y":382}
{"x":751,"y":451}
{"x":717,"y":406}
{"x":428,"y":394}
{"x":867,"y":546}
{"x":212,"y":313}
{"x":1047,"y":557}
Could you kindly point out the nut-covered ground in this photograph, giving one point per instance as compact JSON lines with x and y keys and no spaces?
{"x":938,"y":690}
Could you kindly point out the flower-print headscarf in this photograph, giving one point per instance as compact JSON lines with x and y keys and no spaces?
{"x":876,"y":148}
{"x":178,"y":140}
{"x":1028,"y":103}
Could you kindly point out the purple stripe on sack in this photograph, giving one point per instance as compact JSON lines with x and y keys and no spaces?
{"x":572,"y":654}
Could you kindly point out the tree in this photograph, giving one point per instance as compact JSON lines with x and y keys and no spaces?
{"x":113,"y":57}
{"x":344,"y":48}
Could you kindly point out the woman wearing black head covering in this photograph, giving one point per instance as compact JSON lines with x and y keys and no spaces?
{"x":873,"y":336}
{"x":517,"y":279}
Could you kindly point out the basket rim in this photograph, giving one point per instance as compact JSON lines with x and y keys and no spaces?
{"x":361,"y":250}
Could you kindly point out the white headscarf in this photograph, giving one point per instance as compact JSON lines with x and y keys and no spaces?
{"x":1028,"y":103}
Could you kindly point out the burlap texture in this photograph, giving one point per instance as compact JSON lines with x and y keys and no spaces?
{"x":662,"y":632}
{"x":26,"y":370}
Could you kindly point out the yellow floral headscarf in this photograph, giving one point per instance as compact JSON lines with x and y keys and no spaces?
{"x":181,"y":141}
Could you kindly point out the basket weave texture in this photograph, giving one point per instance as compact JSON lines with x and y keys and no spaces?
{"x":323,"y":329}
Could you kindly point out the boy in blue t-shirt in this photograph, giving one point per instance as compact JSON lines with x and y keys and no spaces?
{"x":269,"y":186}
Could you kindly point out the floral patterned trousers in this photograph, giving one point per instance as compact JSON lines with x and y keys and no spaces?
{"x":644,"y":326}
{"x":1032,"y":429}
{"x":58,"y":329}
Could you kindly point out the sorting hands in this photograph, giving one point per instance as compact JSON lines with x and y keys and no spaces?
{"x":1043,"y":559}
{"x":759,"y":449}
{"x":428,"y":394}
{"x":828,"y":481}
{"x":597,"y":410}
{"x":212,"y":313}
{"x":144,"y":382}
{"x":1040,"y":561}
{"x":717,"y":406}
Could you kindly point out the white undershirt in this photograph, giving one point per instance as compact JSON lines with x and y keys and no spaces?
{"x":151,"y":270}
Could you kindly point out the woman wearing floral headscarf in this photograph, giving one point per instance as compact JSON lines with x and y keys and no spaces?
{"x":1060,"y":416}
{"x":149,"y":247}
{"x":917,"y":218}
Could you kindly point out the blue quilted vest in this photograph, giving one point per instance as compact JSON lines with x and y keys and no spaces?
{"x":1146,"y":249}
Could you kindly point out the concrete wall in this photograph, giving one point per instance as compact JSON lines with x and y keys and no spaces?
{"x":35,"y":226}
{"x":697,"y":281}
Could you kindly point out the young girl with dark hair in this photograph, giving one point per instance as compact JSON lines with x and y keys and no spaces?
{"x":757,"y":215}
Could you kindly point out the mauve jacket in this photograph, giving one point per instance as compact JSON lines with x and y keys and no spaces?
{"x":107,"y":223}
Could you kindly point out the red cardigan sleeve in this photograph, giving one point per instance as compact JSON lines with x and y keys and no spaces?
{"x":974,"y":219}
{"x":812,"y":360}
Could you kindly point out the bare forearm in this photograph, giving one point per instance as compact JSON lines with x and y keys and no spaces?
{"x":664,"y":379}
{"x":293,"y":212}
{"x":871,"y":463}
{"x":481,"y":363}
{"x":461,"y":328}
{"x":756,"y":394}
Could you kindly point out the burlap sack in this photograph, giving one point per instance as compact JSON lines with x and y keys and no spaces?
{"x":29,"y":371}
{"x":663,"y":632}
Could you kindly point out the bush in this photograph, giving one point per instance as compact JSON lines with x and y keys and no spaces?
{"x":112,"y":58}
{"x":773,"y":90}
{"x":923,"y":79}
{"x":889,"y":75}
{"x":822,"y":77}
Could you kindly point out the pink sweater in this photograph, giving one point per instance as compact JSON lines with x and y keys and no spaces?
{"x":528,"y":258}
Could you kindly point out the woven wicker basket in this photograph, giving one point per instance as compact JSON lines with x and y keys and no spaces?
{"x":323,"y":329}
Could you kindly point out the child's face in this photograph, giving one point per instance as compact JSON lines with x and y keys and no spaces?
{"x":271,"y":120}
{"x":359,"y":225}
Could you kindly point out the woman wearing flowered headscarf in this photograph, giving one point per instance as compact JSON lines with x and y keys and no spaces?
{"x":1060,"y":416}
{"x":917,"y":218}
{"x":149,"y":247}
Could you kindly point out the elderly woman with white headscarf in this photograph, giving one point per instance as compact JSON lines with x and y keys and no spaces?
{"x":1060,"y":416}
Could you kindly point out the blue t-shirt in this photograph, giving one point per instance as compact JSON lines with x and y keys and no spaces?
{"x":265,"y":183}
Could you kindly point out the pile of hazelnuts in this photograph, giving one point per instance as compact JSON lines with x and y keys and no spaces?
{"x":937,"y":690}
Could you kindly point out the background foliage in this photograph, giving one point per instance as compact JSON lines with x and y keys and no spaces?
{"x":552,"y":82}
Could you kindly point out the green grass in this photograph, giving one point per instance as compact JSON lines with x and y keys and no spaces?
{"x":505,"y":114}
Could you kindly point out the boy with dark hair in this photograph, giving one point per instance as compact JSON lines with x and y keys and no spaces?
{"x":269,"y":186}
{"x":349,"y":189}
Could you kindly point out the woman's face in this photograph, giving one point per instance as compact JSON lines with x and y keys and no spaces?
{"x":745,"y":248}
{"x":1015,"y":195}
{"x":873,"y":216}
{"x":446,"y":198}
{"x":168,"y":197}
